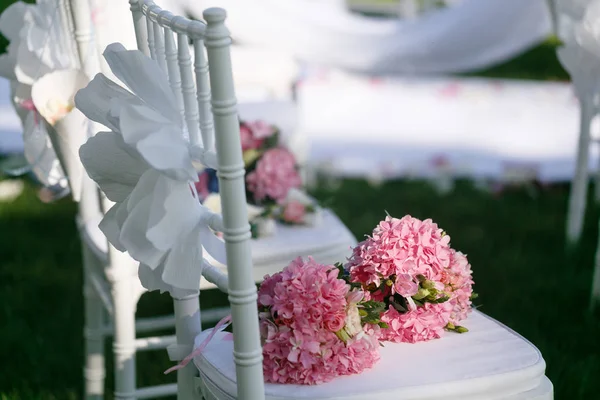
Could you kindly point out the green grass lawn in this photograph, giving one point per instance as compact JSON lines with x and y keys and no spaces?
{"x":514,"y":242}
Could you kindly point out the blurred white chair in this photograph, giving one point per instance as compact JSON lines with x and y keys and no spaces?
{"x":580,"y":56}
{"x":491,"y":362}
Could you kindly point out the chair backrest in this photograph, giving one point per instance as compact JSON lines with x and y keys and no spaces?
{"x":208,"y":109}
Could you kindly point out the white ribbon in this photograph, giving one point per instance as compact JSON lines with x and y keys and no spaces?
{"x":145,"y":166}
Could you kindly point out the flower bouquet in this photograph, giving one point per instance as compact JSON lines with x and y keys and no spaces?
{"x":273,"y":182}
{"x":425,"y":284}
{"x":315,"y":326}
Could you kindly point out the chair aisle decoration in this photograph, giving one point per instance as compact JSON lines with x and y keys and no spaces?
{"x":101,"y":102}
{"x":157,"y":215}
{"x":319,"y":323}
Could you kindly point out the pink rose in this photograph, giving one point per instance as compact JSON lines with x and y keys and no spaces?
{"x":335,"y":322}
{"x":275,"y":174}
{"x":294,"y":212}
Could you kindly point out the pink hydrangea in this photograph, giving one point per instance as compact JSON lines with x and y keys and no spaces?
{"x":275,"y":174}
{"x":421,"y":324}
{"x":301,"y":309}
{"x":459,"y":282}
{"x":399,"y":258}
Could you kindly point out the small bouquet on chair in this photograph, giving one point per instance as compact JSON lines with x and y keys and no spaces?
{"x":425,"y":284}
{"x":273,"y":182}
{"x":315,"y":326}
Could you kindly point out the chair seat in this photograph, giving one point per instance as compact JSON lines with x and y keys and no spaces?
{"x":489,"y":362}
{"x":328,"y":242}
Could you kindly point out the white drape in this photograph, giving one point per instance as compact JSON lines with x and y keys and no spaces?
{"x":466,"y":36}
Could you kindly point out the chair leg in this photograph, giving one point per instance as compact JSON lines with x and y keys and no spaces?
{"x":579,"y":185}
{"x":187,"y":327}
{"x":94,"y":370}
{"x":597,"y":183}
{"x":124,"y":331}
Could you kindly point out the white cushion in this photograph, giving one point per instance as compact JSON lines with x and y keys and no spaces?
{"x":328,"y":242}
{"x":489,"y":362}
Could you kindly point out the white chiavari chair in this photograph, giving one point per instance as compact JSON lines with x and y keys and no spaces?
{"x":239,"y":281}
{"x":111,"y":283}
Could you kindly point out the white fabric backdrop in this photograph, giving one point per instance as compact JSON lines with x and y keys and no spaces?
{"x":425,"y":127}
{"x":470,"y":35}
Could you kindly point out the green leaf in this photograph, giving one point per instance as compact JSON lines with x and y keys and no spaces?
{"x":461,"y":329}
{"x":254,"y":230}
{"x":271,"y":141}
{"x":250,"y":156}
{"x":442,"y":299}
{"x":421,"y":294}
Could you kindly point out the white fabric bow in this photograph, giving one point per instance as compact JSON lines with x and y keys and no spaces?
{"x":144,"y":165}
{"x":583,"y":66}
{"x":580,"y":56}
{"x":35,"y":48}
{"x":587,"y":32}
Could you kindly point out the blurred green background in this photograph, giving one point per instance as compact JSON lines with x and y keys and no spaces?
{"x":514,"y":241}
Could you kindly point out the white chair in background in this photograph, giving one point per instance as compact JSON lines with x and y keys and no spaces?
{"x":580,"y":64}
{"x":581,"y":57}
{"x":490,"y":362}
{"x":575,"y":23}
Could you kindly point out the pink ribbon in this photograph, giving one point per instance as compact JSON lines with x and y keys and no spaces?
{"x":29,"y":106}
{"x":222,"y":324}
